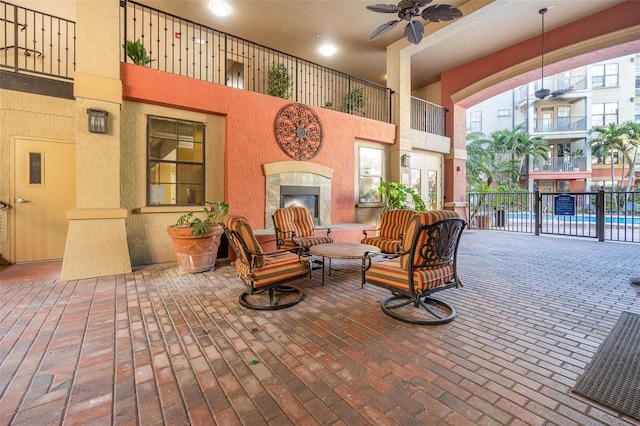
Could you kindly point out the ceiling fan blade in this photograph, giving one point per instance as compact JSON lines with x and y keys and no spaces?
{"x":383,"y":29}
{"x":441,"y":12}
{"x":383,"y":8}
{"x":414,"y":31}
{"x":410,"y":4}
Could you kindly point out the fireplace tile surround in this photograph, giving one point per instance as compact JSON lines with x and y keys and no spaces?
{"x":297,"y":173}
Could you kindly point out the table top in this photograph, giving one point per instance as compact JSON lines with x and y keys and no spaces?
{"x":342,"y":250}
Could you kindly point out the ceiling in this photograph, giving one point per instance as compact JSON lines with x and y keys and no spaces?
{"x":300,"y":27}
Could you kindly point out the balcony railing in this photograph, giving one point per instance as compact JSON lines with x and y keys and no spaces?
{"x":560,"y":124}
{"x":427,"y":117}
{"x":183,"y":47}
{"x":561,"y":164}
{"x":560,"y":84}
{"x":36,"y":43}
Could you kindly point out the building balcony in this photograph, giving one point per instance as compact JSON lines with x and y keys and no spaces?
{"x":560,"y":124}
{"x":561,"y":165}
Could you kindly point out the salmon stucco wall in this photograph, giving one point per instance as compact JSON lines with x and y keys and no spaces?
{"x":249,"y":142}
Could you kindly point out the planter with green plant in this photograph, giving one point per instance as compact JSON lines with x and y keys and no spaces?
{"x":137,"y":53}
{"x":399,"y":196}
{"x":353,"y":102}
{"x":196,"y":240}
{"x":280,"y":81}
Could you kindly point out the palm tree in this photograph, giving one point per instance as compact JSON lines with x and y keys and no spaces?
{"x":535,"y":147}
{"x":632,"y":131}
{"x":607,"y":140}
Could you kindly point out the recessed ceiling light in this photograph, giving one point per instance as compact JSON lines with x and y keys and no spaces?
{"x":327,"y":49}
{"x":219,"y":8}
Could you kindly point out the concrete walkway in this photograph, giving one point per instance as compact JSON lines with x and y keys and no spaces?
{"x":158,"y":346}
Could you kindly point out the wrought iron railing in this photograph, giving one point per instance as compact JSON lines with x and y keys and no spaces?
{"x":607,"y":216}
{"x":183,"y":47}
{"x":560,"y":164}
{"x":36,"y":43}
{"x":427,"y":117}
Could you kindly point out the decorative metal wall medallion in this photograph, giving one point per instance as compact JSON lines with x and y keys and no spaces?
{"x":299,"y":131}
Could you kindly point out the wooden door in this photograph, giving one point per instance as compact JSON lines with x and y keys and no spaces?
{"x":45,"y":189}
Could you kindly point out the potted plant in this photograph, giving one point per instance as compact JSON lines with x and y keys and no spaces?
{"x":137,"y":52}
{"x":280,"y":81}
{"x":397,"y":196}
{"x":196,"y":240}
{"x":353,"y":102}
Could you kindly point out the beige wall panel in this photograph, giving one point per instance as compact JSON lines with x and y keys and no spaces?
{"x":147,"y":232}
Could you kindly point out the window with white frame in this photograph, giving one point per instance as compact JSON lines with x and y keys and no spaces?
{"x":604,"y":114}
{"x":370,"y":174}
{"x":475,"y":121}
{"x":604,"y":75}
{"x":175,"y":162}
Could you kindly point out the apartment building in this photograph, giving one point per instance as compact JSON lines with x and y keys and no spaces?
{"x":580,"y":99}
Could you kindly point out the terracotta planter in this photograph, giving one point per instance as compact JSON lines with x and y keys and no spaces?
{"x":195,"y":254}
{"x":485,"y":221}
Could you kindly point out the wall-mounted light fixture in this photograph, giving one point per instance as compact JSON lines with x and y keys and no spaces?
{"x":405,"y":160}
{"x":97,"y":120}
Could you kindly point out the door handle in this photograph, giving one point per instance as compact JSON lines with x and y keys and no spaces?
{"x":22,"y":200}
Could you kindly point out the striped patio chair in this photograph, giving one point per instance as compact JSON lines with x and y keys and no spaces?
{"x":426,"y":266}
{"x":393,"y":226}
{"x":265,"y":274}
{"x":294,"y":228}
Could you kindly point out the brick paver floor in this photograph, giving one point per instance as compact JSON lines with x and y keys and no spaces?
{"x":158,"y":346}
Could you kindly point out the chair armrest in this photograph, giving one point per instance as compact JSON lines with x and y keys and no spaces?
{"x":364,"y":231}
{"x":323,"y":228}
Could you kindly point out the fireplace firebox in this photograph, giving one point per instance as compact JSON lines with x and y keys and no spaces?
{"x":303,"y":196}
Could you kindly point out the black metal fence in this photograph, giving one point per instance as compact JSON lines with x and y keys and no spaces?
{"x":36,"y":43}
{"x":182,"y":47}
{"x":607,"y":216}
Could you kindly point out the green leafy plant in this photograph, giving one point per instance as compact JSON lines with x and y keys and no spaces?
{"x":280,"y":81}
{"x":137,"y":52}
{"x":398,"y":196}
{"x":353,"y":100}
{"x":213,"y":211}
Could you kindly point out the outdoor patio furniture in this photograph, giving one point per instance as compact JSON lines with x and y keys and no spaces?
{"x":427,"y":265}
{"x":295,"y":228}
{"x":393,"y":225}
{"x":265,"y":273}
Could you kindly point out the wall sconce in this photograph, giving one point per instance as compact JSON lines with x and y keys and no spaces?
{"x":97,"y":120}
{"x":632,"y":99}
{"x":405,"y":160}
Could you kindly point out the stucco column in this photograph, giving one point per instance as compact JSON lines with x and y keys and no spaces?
{"x":97,"y":237}
{"x":399,"y":80}
{"x":455,"y":163}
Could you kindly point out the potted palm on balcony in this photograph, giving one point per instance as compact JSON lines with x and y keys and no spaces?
{"x":195,"y":240}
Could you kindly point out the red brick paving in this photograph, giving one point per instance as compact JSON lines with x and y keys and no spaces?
{"x":158,"y":346}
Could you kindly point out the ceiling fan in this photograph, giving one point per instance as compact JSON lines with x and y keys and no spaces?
{"x":407,"y":10}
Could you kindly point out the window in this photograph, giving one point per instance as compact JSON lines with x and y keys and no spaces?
{"x":564,"y":117}
{"x":475,"y":121}
{"x":504,"y":112}
{"x":175,"y":162}
{"x":370,"y":170}
{"x":604,"y":75}
{"x":603,"y":114}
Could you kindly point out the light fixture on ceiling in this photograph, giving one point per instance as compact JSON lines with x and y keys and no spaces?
{"x":219,"y":8}
{"x":328,"y":49}
{"x":542,"y":92}
{"x":409,"y":9}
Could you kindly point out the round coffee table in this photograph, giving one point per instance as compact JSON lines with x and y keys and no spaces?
{"x":341,"y":251}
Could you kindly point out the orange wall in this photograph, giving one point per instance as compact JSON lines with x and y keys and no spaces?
{"x":250,"y":140}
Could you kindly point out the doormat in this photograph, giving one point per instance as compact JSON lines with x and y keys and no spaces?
{"x":612,"y":378}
